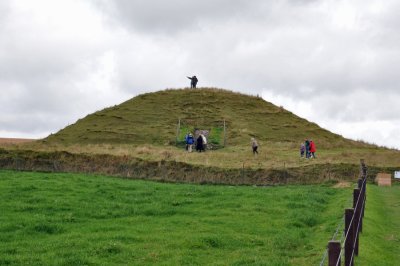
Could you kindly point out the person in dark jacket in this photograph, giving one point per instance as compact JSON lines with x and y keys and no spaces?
{"x":199,"y":144}
{"x":193,"y":81}
{"x":307,"y":144}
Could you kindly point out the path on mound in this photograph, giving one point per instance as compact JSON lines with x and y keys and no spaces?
{"x":380,"y":239}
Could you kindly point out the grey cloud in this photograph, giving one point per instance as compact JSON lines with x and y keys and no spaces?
{"x":44,"y":74}
{"x":4,"y":11}
{"x":175,"y":16}
{"x":301,"y":2}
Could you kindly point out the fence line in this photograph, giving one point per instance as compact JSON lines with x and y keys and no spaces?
{"x":348,"y":245}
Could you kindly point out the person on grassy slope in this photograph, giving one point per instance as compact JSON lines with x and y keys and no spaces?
{"x":186,"y":136}
{"x":204,"y":141}
{"x":302,"y":150}
{"x":254,"y":145}
{"x":307,"y":144}
{"x":193,"y":81}
{"x":312,"y":149}
{"x":199,"y":144}
{"x":189,"y":142}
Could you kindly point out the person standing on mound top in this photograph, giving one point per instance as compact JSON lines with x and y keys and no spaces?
{"x":193,"y":82}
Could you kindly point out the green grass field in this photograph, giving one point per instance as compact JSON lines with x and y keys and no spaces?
{"x":380,"y":239}
{"x":74,"y":219}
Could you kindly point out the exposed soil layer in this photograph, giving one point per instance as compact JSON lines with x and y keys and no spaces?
{"x":171,"y":171}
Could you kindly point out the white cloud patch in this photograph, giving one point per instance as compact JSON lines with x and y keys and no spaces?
{"x":55,"y":66}
{"x":358,"y":117}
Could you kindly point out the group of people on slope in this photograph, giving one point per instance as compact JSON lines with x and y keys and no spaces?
{"x":200,"y":143}
{"x":308,"y":149}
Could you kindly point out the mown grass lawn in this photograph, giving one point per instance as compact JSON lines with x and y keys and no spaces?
{"x":76,"y":219}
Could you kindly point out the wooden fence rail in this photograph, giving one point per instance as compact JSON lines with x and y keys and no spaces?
{"x":353,"y":226}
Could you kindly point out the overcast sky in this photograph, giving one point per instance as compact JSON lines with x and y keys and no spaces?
{"x":333,"y":62}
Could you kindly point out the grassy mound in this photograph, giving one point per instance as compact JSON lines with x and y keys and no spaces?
{"x":164,"y":117}
{"x":150,"y":129}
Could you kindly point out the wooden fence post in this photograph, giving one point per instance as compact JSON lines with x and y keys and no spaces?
{"x":359,"y":183}
{"x":333,"y":253}
{"x":349,"y":242}
{"x":353,"y":225}
{"x":362,"y":167}
{"x":362,"y":199}
{"x":356,"y":207}
{"x":364,"y":194}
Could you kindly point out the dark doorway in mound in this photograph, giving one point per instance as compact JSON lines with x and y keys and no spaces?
{"x":215,"y":134}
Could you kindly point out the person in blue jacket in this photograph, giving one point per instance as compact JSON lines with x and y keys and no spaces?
{"x":189,"y":142}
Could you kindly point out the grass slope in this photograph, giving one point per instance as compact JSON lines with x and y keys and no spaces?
{"x":380,"y":239}
{"x":152,"y":118}
{"x":71,"y":219}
